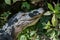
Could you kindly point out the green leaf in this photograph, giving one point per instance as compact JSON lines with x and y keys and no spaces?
{"x":23,"y":37}
{"x":5,"y":14}
{"x":8,"y":2}
{"x":57,"y":7}
{"x":54,"y":20}
{"x":32,"y":33}
{"x":50,"y":7}
{"x":47,"y":25}
{"x":54,"y":38}
{"x":37,"y":38}
{"x":49,"y":30}
{"x":58,"y":16}
{"x":47,"y":13}
{"x":14,"y":1}
{"x":52,"y":34}
{"x":25,"y":5}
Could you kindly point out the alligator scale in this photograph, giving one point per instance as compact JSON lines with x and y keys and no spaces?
{"x":19,"y":22}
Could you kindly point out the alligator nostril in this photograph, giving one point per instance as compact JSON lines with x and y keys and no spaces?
{"x":35,"y":13}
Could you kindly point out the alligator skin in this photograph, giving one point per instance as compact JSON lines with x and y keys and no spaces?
{"x":19,"y":20}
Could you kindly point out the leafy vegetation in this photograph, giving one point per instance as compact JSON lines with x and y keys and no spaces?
{"x":47,"y":28}
{"x":3,"y":18}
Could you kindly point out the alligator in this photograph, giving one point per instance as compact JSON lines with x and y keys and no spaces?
{"x":18,"y":22}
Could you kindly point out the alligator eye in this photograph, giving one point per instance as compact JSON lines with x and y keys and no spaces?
{"x":35,"y":13}
{"x":31,"y":15}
